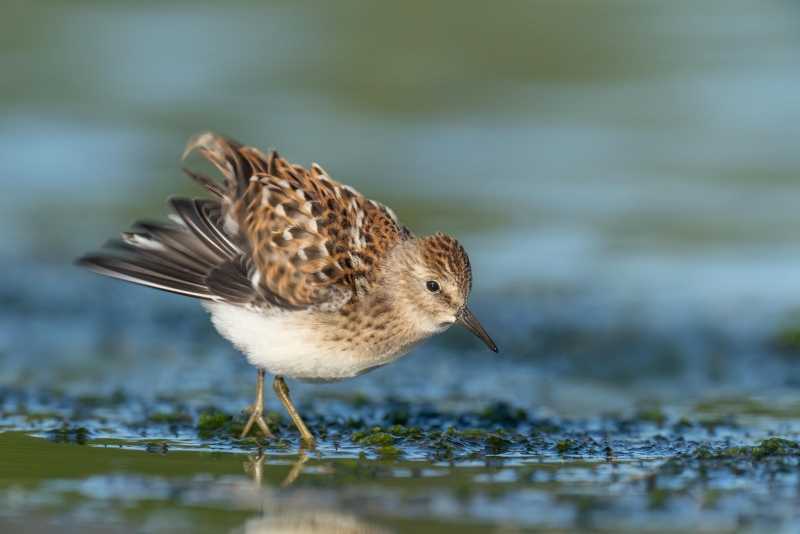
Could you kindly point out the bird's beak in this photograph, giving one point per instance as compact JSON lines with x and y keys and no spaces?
{"x":468,"y":321}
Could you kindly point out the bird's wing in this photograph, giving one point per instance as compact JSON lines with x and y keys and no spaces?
{"x":312,"y":240}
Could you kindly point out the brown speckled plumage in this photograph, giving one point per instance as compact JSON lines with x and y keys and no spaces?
{"x":302,"y":273}
{"x":313,"y":240}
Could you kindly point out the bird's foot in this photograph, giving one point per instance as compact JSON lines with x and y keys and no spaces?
{"x":257,"y":416}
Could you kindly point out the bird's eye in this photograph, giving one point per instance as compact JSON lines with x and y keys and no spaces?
{"x":432,"y":286}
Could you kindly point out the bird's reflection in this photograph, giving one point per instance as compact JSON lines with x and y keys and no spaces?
{"x":309,"y":522}
{"x":280,"y":512}
{"x":254,"y":466}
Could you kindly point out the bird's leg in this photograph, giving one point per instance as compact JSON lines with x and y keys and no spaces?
{"x":257,"y":410}
{"x":283,"y":394}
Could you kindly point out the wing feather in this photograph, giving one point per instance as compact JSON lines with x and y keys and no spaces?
{"x":312,"y":239}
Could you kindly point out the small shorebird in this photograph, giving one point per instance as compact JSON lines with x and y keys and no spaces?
{"x":305,"y":276}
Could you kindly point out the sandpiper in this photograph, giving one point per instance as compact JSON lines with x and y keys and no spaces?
{"x":305,"y":276}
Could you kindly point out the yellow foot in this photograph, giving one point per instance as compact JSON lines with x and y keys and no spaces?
{"x":257,"y":416}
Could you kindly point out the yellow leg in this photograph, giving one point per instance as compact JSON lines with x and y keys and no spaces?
{"x":283,"y":394}
{"x":257,"y":409}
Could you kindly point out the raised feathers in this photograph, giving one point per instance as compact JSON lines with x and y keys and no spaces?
{"x":276,"y":235}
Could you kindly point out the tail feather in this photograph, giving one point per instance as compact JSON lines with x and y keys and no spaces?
{"x":180,"y":259}
{"x":182,"y":241}
{"x":178,"y":262}
{"x":133,"y":271}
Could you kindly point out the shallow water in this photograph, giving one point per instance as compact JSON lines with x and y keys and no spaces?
{"x":117,"y":463}
{"x":623,"y":175}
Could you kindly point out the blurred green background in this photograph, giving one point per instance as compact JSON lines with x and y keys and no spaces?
{"x":649,"y":147}
{"x":625,"y":176}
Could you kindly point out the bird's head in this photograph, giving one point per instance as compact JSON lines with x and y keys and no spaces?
{"x":431,"y":277}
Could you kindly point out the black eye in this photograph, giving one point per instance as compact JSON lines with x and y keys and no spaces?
{"x":432,"y":286}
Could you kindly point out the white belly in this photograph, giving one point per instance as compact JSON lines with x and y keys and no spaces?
{"x":295,"y":344}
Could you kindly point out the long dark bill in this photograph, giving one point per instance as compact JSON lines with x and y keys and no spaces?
{"x":468,"y":321}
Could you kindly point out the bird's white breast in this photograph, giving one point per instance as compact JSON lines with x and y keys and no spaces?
{"x":296,"y":344}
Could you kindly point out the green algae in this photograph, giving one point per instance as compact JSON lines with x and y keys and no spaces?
{"x":563,"y":446}
{"x":480,"y":437}
{"x":375,"y":438}
{"x":703,"y":453}
{"x":411,"y":433}
{"x":221,"y":426}
{"x":769,"y":448}
{"x":469,"y":433}
{"x":213,"y":421}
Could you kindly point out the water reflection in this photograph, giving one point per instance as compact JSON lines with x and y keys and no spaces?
{"x":308,"y":522}
{"x":254,"y":466}
{"x":277,"y":515}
